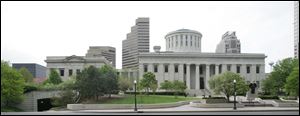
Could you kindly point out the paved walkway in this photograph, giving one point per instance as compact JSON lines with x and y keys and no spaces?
{"x":190,"y":108}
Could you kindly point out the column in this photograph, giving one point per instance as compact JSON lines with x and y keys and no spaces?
{"x":233,"y":68}
{"x":141,"y":71}
{"x":150,"y":67}
{"x":197,"y":77}
{"x":244,"y":71}
{"x":207,"y":76}
{"x":253,"y":72}
{"x":188,"y":78}
{"x":180,"y":69}
{"x":217,"y":69}
{"x":160,"y":73}
{"x":171,"y":72}
{"x":224,"y":68}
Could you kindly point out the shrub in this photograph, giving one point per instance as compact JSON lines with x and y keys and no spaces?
{"x":66,"y":97}
{"x":268,"y":97}
{"x":159,"y":93}
{"x":30,"y":87}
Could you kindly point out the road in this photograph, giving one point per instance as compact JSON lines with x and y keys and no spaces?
{"x":157,"y":113}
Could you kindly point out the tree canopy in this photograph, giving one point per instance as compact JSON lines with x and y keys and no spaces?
{"x":26,"y":74}
{"x":292,"y":82}
{"x":148,"y":81}
{"x":54,"y":77}
{"x":274,"y":84}
{"x":12,"y":85}
{"x":223,"y":83}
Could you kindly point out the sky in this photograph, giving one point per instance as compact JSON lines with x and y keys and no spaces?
{"x":32,"y":30}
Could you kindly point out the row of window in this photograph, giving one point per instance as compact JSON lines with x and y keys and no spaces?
{"x":62,"y":71}
{"x":196,"y":40}
{"x":238,"y":69}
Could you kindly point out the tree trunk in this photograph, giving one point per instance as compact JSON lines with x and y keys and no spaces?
{"x":228,"y":98}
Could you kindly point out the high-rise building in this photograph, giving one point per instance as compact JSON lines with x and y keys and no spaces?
{"x":229,"y":43}
{"x":108,"y":52}
{"x":296,"y":29}
{"x":137,"y":41}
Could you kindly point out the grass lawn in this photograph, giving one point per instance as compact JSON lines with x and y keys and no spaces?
{"x":146,"y":99}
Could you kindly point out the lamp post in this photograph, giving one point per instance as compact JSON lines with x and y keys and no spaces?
{"x":135,"y":108}
{"x":234,"y":84}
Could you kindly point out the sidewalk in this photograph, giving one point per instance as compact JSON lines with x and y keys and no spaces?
{"x":192,"y":109}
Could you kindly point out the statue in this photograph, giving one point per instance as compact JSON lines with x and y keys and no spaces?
{"x":252,"y":87}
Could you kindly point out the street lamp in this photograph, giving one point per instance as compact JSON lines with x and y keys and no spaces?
{"x":135,"y":108}
{"x":234,"y":84}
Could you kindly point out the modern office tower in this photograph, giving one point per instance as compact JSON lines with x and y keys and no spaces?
{"x":229,"y":43}
{"x":108,"y":52}
{"x":37,"y":71}
{"x":137,"y":41}
{"x":296,"y":29}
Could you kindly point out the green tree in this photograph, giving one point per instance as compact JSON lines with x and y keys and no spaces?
{"x":154,"y":86}
{"x":148,"y":81}
{"x":179,"y":86}
{"x":224,"y":83}
{"x":123,"y":83}
{"x":279,"y":75}
{"x":292,"y":82}
{"x":12,"y":85}
{"x":54,"y":77}
{"x":110,"y":78}
{"x":167,"y":85}
{"x":89,"y":84}
{"x":26,"y":75}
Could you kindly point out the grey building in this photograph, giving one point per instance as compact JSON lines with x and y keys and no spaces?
{"x":296,"y":29}
{"x":137,"y":41}
{"x":38,"y":71}
{"x":108,"y":52}
{"x":68,"y":66}
{"x":185,"y":62}
{"x":229,"y":43}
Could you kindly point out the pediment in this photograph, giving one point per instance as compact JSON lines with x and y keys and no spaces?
{"x":74,"y":58}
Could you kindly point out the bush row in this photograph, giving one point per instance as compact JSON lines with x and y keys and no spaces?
{"x":268,"y":97}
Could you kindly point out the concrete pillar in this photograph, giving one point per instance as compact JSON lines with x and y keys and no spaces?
{"x":180,"y":69}
{"x":188,"y":77}
{"x":141,"y":71}
{"x":160,"y":73}
{"x":171,"y":72}
{"x":197,"y":77}
{"x":244,"y":71}
{"x":207,"y":76}
{"x":233,"y":68}
{"x":224,"y":68}
{"x":216,"y":69}
{"x":150,"y":67}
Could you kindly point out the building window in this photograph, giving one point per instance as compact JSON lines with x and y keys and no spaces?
{"x":172,"y":42}
{"x":198,"y":41}
{"x":176,"y":68}
{"x":62,"y":72}
{"x":248,"y":69}
{"x":238,"y":69}
{"x":155,"y":68}
{"x":169,"y":42}
{"x":186,"y":42}
{"x":228,"y":67}
{"x":257,"y":69}
{"x":195,"y":42}
{"x":166,"y":68}
{"x":145,"y":68}
{"x":70,"y":72}
{"x":181,"y":41}
{"x":201,"y":70}
{"x":77,"y":71}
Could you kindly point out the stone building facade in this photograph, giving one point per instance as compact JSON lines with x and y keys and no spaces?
{"x":195,"y":68}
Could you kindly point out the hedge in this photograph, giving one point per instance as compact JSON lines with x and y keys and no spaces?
{"x":268,"y":97}
{"x":158,"y":93}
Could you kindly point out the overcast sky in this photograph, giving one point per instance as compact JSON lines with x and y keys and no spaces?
{"x":30,"y":31}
